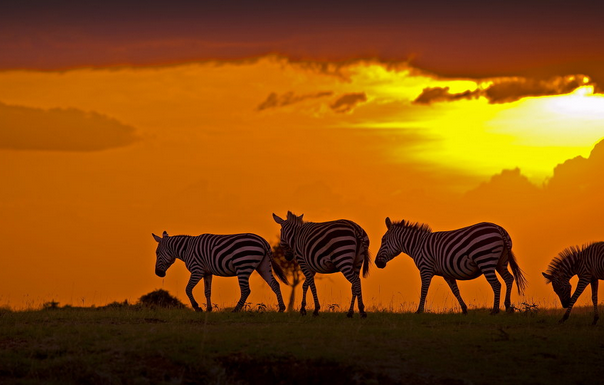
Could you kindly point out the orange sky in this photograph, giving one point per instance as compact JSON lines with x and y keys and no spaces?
{"x":98,"y":157}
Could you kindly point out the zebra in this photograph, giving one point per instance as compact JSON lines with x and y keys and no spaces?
{"x":460,"y":254}
{"x":587,"y":263}
{"x":222,"y":255}
{"x":325,"y":248}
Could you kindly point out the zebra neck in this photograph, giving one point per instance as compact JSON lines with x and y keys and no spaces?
{"x":413,"y":245}
{"x":180,"y":246}
{"x":570,"y":267}
{"x":294,"y":233}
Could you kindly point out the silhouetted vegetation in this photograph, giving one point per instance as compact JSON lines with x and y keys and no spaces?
{"x":157,"y":299}
{"x":162,"y":299}
{"x":291,"y":270}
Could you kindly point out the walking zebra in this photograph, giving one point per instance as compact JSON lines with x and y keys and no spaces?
{"x":462,"y":254}
{"x":587,"y":264}
{"x":326,"y":247}
{"x":222,"y":255}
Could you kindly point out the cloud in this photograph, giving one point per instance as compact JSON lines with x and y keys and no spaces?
{"x":25,"y":128}
{"x":506,"y":90}
{"x":274,"y":100}
{"x":441,"y":94}
{"x":511,"y":89}
{"x":347,"y":102}
{"x":580,"y":176}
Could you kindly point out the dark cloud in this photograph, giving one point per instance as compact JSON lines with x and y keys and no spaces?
{"x":441,"y":94}
{"x":507,"y":90}
{"x":273,"y":100}
{"x":25,"y":128}
{"x":511,"y":89}
{"x":347,"y":102}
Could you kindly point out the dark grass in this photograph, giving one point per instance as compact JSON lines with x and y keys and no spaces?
{"x":132,"y":345}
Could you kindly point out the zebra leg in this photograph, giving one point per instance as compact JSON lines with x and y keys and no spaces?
{"x":304,"y":290}
{"x":244,"y":286}
{"x":594,"y":298}
{"x":313,"y":289}
{"x":357,"y":293}
{"x":426,"y":279}
{"x":453,"y":285}
{"x":193,"y":281}
{"x":353,"y":278}
{"x":508,"y":278}
{"x":581,"y":285}
{"x":207,"y":282}
{"x":496,"y":286}
{"x":264,"y":269}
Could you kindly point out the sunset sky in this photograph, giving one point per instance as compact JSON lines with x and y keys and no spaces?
{"x":119,"y":120}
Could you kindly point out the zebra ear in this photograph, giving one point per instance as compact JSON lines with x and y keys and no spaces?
{"x":548,"y":277}
{"x":388,"y":223}
{"x":165,"y":234}
{"x":156,"y":237}
{"x":278,"y":219}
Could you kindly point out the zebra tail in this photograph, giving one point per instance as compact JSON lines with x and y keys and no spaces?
{"x":366,"y":257}
{"x":517,"y":272}
{"x":277,"y":269}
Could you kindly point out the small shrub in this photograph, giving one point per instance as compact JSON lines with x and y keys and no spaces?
{"x":50,"y":305}
{"x":160,"y":298}
{"x":118,"y":305}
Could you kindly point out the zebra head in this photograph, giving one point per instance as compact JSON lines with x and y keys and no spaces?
{"x":561,"y":287}
{"x":390,"y":246}
{"x":165,"y":254}
{"x":288,"y":230}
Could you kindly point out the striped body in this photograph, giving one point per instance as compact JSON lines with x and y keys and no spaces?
{"x":587,"y":263}
{"x":461,"y":254}
{"x":327,"y":247}
{"x":207,"y":255}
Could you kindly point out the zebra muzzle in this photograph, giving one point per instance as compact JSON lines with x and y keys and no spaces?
{"x":380,"y":263}
{"x":160,"y":273}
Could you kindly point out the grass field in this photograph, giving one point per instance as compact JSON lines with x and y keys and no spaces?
{"x":141,"y":346}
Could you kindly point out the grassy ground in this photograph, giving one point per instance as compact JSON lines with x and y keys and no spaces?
{"x":140,"y":346}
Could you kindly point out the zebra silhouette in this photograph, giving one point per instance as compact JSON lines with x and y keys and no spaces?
{"x":327,"y":247}
{"x":587,"y":263}
{"x":207,"y":255}
{"x":462,"y":254}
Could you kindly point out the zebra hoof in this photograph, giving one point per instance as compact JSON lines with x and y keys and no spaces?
{"x":303,"y":311}
{"x":349,"y":314}
{"x":315,"y":313}
{"x":281,"y":309}
{"x":198,"y":309}
{"x":494,"y":311}
{"x":363,"y":315}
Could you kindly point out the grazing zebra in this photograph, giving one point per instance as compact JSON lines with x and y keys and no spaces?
{"x":326,"y":247}
{"x":587,"y":264}
{"x":222,"y":255}
{"x":462,"y":254}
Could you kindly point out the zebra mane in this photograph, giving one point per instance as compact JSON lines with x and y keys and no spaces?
{"x":416,"y":226}
{"x":566,"y":257}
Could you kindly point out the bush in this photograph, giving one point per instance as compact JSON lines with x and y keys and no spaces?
{"x":160,"y":298}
